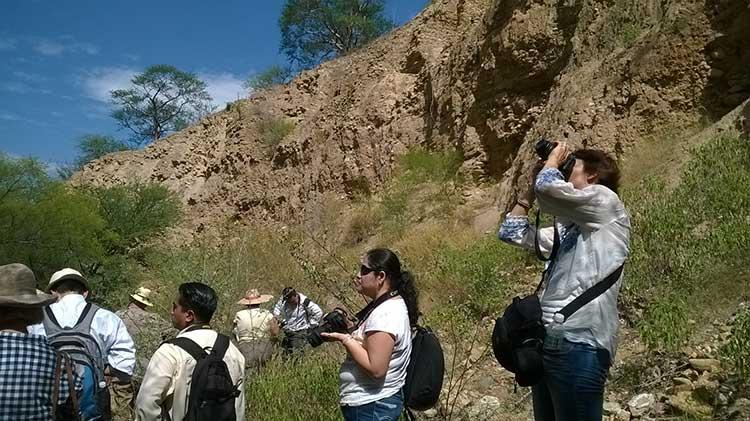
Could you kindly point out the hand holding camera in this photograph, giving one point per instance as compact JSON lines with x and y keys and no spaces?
{"x":333,"y":326}
{"x":557,"y":155}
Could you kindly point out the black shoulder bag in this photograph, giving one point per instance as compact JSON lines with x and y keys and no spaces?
{"x":518,"y":336}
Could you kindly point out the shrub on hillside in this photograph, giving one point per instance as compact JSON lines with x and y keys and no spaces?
{"x":737,"y":350}
{"x":684,"y":240}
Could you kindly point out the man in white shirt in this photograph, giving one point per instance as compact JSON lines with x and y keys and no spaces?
{"x":108,"y":330}
{"x":296,"y":315}
{"x":167,"y":382}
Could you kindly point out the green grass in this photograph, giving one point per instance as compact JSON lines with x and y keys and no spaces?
{"x":690,"y":242}
{"x":302,"y":390}
{"x":737,"y":350}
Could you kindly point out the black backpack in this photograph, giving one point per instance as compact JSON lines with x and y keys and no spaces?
{"x":212,"y":392}
{"x":424,"y":375}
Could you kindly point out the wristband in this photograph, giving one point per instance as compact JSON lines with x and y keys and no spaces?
{"x":524,"y":204}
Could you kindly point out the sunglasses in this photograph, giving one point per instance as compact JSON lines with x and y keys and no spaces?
{"x":364,"y":270}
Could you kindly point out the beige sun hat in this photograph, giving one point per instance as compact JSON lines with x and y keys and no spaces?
{"x":64,"y":274}
{"x":254,"y":297}
{"x":142,"y":295}
{"x":18,"y":288}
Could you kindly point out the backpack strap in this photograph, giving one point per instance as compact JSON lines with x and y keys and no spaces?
{"x":305,"y":303}
{"x":56,"y":383}
{"x":220,"y":346}
{"x":86,"y":317}
{"x":555,"y":241}
{"x":50,"y":321}
{"x":598,"y":289}
{"x":72,"y":386}
{"x":365,"y":312}
{"x":189,"y":346}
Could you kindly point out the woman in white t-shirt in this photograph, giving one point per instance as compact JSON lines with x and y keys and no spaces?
{"x":374,"y":372}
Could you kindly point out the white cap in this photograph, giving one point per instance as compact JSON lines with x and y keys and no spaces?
{"x":64,"y":274}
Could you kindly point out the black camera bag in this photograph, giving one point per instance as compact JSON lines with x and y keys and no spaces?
{"x":518,"y":336}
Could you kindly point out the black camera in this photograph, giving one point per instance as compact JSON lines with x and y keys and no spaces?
{"x":334,"y":321}
{"x":544,"y":147}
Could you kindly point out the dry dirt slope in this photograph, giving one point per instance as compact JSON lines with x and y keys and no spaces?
{"x":484,"y":77}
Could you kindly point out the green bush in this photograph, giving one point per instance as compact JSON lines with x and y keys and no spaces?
{"x":686,"y":239}
{"x":274,"y":130}
{"x":274,"y":75}
{"x":135,"y":212}
{"x":737,"y":350}
{"x":423,"y":186}
{"x":665,"y":324}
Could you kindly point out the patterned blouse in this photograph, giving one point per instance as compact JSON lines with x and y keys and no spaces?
{"x":594,"y":239}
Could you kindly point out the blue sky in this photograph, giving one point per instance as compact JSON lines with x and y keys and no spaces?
{"x":59,"y":59}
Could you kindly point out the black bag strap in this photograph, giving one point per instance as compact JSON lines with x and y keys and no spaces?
{"x":51,"y":316}
{"x":220,"y":346}
{"x":555,"y":241}
{"x":190,"y":347}
{"x":305,"y":303}
{"x":365,"y":312}
{"x":598,"y":289}
{"x":83,"y":315}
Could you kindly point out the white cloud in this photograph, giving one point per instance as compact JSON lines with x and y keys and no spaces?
{"x":223,"y":87}
{"x":51,"y":47}
{"x":98,"y":83}
{"x":5,"y":116}
{"x":22,"y":88}
{"x":7,"y":44}
{"x":9,"y":117}
{"x":29,"y":77}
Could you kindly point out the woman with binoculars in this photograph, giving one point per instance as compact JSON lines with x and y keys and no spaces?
{"x":594,"y":236}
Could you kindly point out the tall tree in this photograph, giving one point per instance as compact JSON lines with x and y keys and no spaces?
{"x":316,"y":30}
{"x":162,"y":99}
{"x":91,"y":147}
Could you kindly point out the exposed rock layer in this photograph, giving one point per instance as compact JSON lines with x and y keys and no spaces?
{"x":485,"y":77}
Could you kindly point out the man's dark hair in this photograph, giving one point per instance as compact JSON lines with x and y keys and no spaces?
{"x":200,"y":298}
{"x":596,"y":161}
{"x":288,"y":293}
{"x":69,"y":285}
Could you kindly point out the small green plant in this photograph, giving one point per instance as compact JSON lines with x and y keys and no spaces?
{"x":274,"y":130}
{"x":665,"y":324}
{"x":274,"y":75}
{"x":737,"y":350}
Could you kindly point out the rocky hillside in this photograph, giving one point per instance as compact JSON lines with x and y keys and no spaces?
{"x":487,"y":77}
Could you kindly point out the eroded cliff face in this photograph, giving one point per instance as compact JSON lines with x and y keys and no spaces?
{"x":485,"y":77}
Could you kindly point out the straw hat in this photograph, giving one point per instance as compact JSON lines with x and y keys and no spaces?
{"x":142,"y":295}
{"x":18,"y":288}
{"x":64,"y":274}
{"x":253,"y":297}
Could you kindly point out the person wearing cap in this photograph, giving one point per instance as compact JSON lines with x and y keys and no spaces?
{"x":71,"y":289}
{"x":296,"y":314}
{"x":136,"y":316}
{"x":252,"y":329}
{"x":147,"y":329}
{"x":28,"y":390}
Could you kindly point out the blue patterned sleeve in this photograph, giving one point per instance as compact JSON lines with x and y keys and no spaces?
{"x":546,"y":177}
{"x":513,"y":230}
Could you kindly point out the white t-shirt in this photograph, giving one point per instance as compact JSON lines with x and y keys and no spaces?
{"x":356,"y":386}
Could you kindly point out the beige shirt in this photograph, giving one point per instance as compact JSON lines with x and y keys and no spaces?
{"x":166,"y":384}
{"x":252,"y":324}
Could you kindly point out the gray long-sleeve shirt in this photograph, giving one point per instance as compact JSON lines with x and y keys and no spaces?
{"x":595,"y":236}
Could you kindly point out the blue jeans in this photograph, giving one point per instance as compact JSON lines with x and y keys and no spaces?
{"x":573,"y":385}
{"x":386,"y":409}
